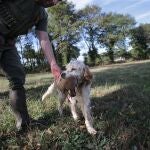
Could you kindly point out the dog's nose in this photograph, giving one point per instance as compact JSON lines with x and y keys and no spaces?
{"x":63,"y":75}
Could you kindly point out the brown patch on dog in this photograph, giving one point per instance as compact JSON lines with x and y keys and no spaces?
{"x":87,"y":74}
{"x":68,"y":85}
{"x":87,"y":78}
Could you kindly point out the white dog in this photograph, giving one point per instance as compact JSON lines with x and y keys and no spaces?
{"x":81,"y":72}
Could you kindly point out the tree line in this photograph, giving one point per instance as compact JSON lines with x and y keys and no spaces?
{"x":71,"y":32}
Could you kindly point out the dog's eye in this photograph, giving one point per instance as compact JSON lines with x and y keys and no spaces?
{"x":73,"y":69}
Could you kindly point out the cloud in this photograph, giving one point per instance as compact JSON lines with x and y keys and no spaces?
{"x":139,"y":2}
{"x":80,"y":3}
{"x":144,"y":15}
{"x":107,"y":2}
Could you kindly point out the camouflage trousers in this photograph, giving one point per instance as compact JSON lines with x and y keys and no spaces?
{"x":11,"y":64}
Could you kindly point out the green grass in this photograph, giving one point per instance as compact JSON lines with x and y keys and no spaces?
{"x":120,"y":98}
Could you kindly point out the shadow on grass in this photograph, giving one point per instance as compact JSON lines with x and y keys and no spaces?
{"x":3,"y":95}
{"x":126,"y":118}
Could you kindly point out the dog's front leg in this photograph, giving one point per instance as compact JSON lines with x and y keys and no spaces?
{"x":61,"y":97}
{"x":73,"y":107}
{"x":85,"y":107}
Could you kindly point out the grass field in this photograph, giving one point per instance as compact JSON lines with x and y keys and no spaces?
{"x":120,"y":98}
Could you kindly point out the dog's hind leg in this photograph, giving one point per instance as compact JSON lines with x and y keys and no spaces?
{"x":49,"y":91}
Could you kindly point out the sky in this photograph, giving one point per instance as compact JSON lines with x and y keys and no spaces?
{"x":140,"y":9}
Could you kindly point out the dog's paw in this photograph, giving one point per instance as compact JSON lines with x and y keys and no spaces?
{"x":91,"y":130}
{"x":75,"y":117}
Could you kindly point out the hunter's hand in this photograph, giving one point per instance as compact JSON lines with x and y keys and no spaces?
{"x":56,"y":71}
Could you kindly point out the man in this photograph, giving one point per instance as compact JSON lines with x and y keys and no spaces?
{"x":16,"y":18}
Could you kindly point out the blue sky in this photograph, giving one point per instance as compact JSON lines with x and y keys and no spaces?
{"x":140,"y":9}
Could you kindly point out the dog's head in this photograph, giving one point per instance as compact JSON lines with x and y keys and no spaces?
{"x":68,"y":84}
{"x":79,"y":70}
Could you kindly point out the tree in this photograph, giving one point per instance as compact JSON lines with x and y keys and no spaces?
{"x":63,"y":28}
{"x":19,"y":42}
{"x":116,"y":29}
{"x":141,"y":42}
{"x":90,"y":19}
{"x":41,"y":62}
{"x":28,"y":54}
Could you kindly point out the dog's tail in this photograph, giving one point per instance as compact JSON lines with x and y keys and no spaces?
{"x":49,"y":91}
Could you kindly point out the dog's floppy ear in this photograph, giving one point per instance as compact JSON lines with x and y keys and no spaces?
{"x":87,"y":74}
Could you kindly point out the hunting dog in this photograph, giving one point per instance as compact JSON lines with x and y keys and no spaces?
{"x":77,"y":78}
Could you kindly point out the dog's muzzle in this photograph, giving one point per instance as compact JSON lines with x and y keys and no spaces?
{"x":68,"y":84}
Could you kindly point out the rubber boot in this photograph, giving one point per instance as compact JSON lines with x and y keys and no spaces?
{"x":19,"y":107}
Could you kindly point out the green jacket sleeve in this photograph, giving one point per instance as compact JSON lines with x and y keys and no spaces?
{"x":43,"y":21}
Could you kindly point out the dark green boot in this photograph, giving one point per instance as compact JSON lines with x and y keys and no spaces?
{"x":19,"y":107}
